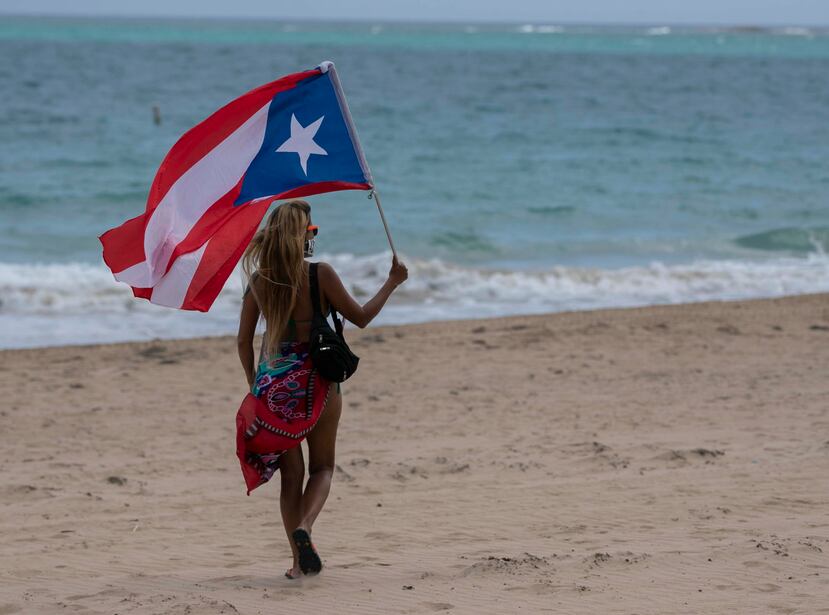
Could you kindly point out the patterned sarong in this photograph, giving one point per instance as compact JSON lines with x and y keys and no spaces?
{"x":286,"y":401}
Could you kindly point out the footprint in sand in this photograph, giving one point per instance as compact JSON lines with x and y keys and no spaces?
{"x":438,"y":606}
{"x":342,"y":474}
{"x":624,"y":557}
{"x":508,"y":565}
{"x":767,"y":588}
{"x":379,"y":535}
{"x":758,"y":564}
{"x":682,"y":457}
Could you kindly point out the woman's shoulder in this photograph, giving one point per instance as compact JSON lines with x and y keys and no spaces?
{"x":322,"y":268}
{"x":326,"y":273}
{"x":325,"y":268}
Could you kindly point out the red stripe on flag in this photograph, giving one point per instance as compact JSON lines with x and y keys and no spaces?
{"x":320,"y":187}
{"x":216,"y":217}
{"x":223,"y":252}
{"x":124,"y":245}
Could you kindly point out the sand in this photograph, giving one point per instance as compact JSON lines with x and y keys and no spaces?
{"x":658,"y":460}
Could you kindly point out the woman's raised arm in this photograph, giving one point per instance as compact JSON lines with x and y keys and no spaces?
{"x":345,"y":304}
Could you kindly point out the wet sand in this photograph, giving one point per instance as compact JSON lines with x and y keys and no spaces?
{"x":657,"y":460}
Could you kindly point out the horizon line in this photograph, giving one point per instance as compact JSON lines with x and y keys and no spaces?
{"x":404,"y":20}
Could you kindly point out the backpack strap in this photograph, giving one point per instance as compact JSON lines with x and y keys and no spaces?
{"x":315,"y":290}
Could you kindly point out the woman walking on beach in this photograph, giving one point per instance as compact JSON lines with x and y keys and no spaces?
{"x":293,"y":401}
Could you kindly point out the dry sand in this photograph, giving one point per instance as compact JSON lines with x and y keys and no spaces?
{"x":658,"y":460}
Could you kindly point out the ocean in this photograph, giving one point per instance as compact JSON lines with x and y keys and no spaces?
{"x":524,"y":168}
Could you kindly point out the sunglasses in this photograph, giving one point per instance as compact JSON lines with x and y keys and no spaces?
{"x":313,"y":228}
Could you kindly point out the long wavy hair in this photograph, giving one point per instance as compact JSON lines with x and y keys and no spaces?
{"x":273,"y":266}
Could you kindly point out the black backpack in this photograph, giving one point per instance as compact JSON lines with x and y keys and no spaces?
{"x":330,"y":354}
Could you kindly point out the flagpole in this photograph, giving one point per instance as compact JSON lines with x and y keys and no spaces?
{"x":374,"y":195}
{"x":328,"y":67}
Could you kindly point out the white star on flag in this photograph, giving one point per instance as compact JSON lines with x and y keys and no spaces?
{"x":302,"y":141}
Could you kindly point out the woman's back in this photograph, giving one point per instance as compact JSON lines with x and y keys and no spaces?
{"x":298,"y":328}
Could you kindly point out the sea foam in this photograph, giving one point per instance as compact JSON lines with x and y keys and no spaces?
{"x":56,"y":304}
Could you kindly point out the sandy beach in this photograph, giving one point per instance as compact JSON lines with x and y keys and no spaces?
{"x":657,"y":460}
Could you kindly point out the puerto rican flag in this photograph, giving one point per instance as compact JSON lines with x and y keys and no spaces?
{"x":290,"y":138}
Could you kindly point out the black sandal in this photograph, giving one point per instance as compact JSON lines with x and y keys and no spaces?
{"x":309,"y":559}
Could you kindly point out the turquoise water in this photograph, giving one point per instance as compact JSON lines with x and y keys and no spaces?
{"x":523,"y":167}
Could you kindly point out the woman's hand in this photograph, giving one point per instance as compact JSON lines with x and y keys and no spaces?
{"x":398,"y":272}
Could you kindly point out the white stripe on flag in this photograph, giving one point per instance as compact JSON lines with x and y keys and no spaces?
{"x":172,"y":288}
{"x":193,"y":194}
{"x":133,"y":273}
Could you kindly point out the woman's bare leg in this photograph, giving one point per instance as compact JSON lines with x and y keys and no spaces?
{"x":292,"y":471}
{"x":321,"y":442}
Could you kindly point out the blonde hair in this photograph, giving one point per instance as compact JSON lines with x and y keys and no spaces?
{"x":273,"y":266}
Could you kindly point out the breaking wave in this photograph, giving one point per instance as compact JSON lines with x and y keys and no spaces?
{"x":56,"y":304}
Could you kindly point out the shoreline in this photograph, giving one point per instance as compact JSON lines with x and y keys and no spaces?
{"x":351,"y":329}
{"x":662,"y":459}
{"x":51,"y":305}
